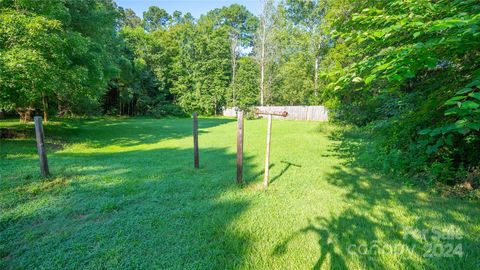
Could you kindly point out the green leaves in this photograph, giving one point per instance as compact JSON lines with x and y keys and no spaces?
{"x":475,"y":95}
{"x":465,"y":109}
{"x":414,"y":52}
{"x":31,"y":56}
{"x":454,"y":100}
{"x":464,"y":91}
{"x":56,"y":51}
{"x":426,"y":131}
{"x":357,"y":80}
{"x":369,"y":79}
{"x":469,"y":105}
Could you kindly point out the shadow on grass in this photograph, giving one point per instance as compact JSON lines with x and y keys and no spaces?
{"x":387,"y":225}
{"x":125,"y":131}
{"x":284,"y":170}
{"x":133,"y":209}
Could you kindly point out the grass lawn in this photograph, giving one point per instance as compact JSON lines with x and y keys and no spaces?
{"x":124,"y":195}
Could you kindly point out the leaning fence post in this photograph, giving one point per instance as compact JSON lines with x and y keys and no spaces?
{"x":42,"y":154}
{"x":195,"y":141}
{"x":239,"y":147}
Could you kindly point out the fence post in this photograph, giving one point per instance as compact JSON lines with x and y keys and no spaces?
{"x":42,"y":154}
{"x":239,"y":147}
{"x":267,"y":152}
{"x":195,"y":141}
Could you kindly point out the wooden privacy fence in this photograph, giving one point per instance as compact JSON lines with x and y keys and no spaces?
{"x":309,"y":113}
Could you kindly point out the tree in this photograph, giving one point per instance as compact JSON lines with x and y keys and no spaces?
{"x":202,"y":68}
{"x":129,"y":18}
{"x":155,"y":18}
{"x":267,"y":20}
{"x":241,"y":26}
{"x":57,"y":53}
{"x":408,"y":69}
{"x":309,"y":17}
{"x":247,"y":82}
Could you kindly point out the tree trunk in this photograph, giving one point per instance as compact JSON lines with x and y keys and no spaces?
{"x":262,"y":59}
{"x":45,"y":107}
{"x":233,"y":51}
{"x":25,"y":114}
{"x":315,"y":80}
{"x":28,"y":114}
{"x":215,"y":107}
{"x":22,"y":115}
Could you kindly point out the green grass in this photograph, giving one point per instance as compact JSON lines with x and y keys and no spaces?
{"x":124,"y":195}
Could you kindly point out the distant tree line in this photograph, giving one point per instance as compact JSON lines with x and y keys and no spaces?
{"x":407,"y":70}
{"x":92,"y":57}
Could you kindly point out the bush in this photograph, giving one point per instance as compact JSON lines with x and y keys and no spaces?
{"x":167,"y":109}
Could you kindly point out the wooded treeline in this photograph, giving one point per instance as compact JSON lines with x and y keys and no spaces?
{"x":92,"y":57}
{"x":407,"y":70}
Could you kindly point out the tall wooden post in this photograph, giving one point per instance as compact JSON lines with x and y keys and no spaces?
{"x":239,"y":147}
{"x":269,"y":135}
{"x":42,"y":154}
{"x":267,"y":152}
{"x":195,"y":141}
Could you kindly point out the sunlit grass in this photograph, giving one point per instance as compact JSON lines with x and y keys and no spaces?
{"x":124,"y":194}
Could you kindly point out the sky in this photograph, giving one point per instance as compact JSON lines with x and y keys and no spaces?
{"x":196,"y":7}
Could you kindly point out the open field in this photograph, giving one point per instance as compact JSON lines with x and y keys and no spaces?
{"x":124,"y":195}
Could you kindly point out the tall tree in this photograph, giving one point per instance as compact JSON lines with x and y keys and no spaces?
{"x":309,"y":16}
{"x":32,"y":61}
{"x":247,"y":82}
{"x":241,"y":26}
{"x":128,"y":18}
{"x":66,"y":45}
{"x":267,"y":20}
{"x":202,"y":71}
{"x":155,"y":18}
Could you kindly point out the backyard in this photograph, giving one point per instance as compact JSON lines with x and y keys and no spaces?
{"x":123,"y":193}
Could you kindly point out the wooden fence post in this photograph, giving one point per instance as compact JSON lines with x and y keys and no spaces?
{"x":267,"y":152}
{"x":195,"y":141}
{"x":42,"y":154}
{"x":239,"y":147}
{"x":269,"y":136}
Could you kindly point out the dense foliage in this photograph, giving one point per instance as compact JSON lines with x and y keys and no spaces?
{"x":407,"y":70}
{"x":410,"y":71}
{"x":56,"y":52}
{"x":177,"y":59}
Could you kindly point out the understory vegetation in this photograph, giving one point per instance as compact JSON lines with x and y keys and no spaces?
{"x":409,"y":71}
{"x":124,"y":194}
{"x":406,"y":71}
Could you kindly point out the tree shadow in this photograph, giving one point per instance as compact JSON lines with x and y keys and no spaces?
{"x":133,"y":132}
{"x":327,"y":247}
{"x":128,"y":209}
{"x":386,"y":225}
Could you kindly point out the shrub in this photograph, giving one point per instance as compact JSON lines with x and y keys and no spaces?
{"x":167,"y":109}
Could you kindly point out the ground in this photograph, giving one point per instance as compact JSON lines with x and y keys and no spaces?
{"x":124,"y":194}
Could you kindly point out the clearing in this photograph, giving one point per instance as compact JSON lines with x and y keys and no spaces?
{"x":124,"y":194}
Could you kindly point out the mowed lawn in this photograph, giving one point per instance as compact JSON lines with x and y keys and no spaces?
{"x":124,"y":195}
